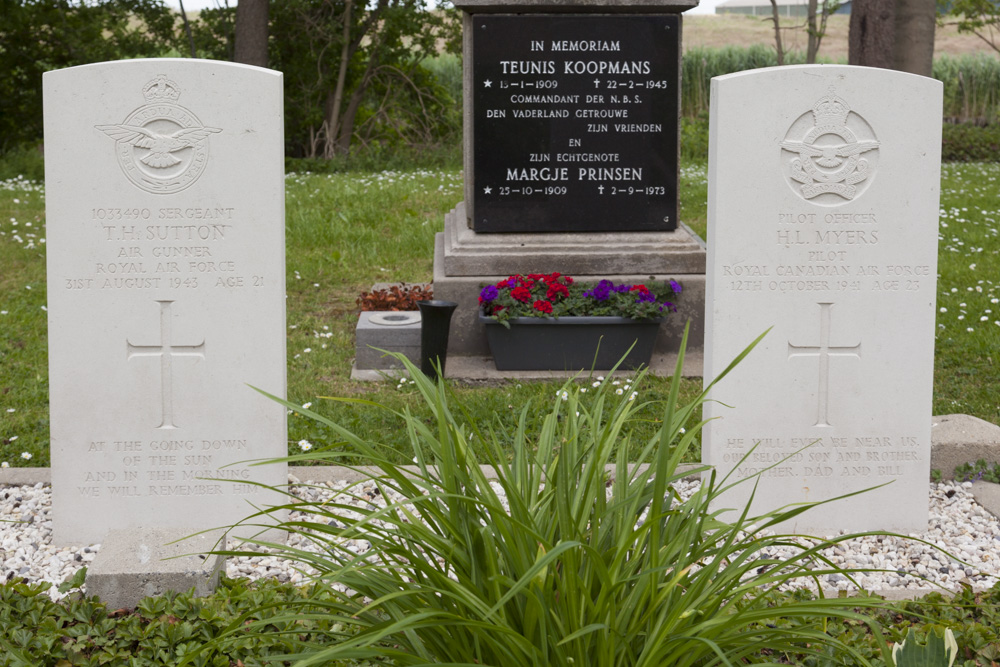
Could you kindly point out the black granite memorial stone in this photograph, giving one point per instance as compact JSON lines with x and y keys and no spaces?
{"x":575,"y":122}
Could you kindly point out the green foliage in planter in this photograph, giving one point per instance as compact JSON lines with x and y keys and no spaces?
{"x":395,"y":297}
{"x":968,"y":142}
{"x":940,"y":649}
{"x":582,"y":569}
{"x":556,"y":295}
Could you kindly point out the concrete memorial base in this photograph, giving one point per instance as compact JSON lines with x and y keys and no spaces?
{"x":395,"y":331}
{"x":465,"y":261}
{"x":137,"y":563}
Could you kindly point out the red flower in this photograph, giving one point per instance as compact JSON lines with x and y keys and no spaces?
{"x":568,"y":279}
{"x":543,"y":306}
{"x":639,"y":288}
{"x":521,"y":293}
{"x":556,"y":289}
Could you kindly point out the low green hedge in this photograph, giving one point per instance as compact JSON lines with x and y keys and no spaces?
{"x":960,"y":142}
{"x":966,"y":142}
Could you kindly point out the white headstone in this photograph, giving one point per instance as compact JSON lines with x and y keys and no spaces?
{"x":166,"y":274}
{"x":822,"y":225}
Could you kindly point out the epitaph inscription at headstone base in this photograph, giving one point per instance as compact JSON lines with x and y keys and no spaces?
{"x":165,"y":238}
{"x":823,"y":225}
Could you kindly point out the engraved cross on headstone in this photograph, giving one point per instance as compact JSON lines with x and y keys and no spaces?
{"x":166,"y":351}
{"x":824,"y":351}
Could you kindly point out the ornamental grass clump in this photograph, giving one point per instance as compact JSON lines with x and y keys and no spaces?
{"x":570,"y":556}
{"x":557,"y":295}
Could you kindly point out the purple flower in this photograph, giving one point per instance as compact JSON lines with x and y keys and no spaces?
{"x":488,"y":294}
{"x":669,"y":306}
{"x":601,"y":291}
{"x":621,"y":289}
{"x":646,"y":297}
{"x":675,"y":286}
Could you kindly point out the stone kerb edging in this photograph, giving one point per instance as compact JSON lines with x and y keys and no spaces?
{"x":955,"y":440}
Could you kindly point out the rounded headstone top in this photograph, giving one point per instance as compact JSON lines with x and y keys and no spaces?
{"x":575,"y":6}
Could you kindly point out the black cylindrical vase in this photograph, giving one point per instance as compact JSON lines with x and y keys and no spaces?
{"x":435,"y":320}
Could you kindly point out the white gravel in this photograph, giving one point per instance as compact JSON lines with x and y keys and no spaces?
{"x":957,"y":524}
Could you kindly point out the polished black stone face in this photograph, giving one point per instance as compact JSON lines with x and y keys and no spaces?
{"x":575,"y":123}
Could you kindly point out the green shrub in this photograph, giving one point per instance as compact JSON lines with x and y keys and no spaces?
{"x":581,"y":569}
{"x":971,"y":81}
{"x":163,"y":631}
{"x":971,"y":86}
{"x":25,"y":160}
{"x":700,"y":64}
{"x":694,"y":137}
{"x":379,"y":157}
{"x":447,"y":67}
{"x":966,"y":142}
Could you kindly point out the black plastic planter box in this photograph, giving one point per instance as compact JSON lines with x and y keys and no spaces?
{"x":570,"y":343}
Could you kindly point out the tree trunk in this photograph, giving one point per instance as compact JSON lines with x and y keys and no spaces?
{"x":251,"y":32}
{"x":187,"y":29}
{"x":812,"y":32}
{"x":777,"y":33}
{"x":872,"y":33}
{"x":335,"y":101}
{"x":914,"y":47}
{"x":346,"y":130}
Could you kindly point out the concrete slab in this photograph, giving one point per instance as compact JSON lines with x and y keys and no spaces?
{"x":960,"y":439}
{"x":578,"y":254}
{"x":135,"y":563}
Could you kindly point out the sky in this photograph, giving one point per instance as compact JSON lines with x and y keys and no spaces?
{"x":706,"y":6}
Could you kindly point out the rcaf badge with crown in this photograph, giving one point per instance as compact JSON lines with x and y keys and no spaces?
{"x":835,"y":152}
{"x":161,"y":147}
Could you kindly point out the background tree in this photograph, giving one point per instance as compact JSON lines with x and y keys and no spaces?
{"x":817,"y":14}
{"x":872,"y":33}
{"x":979,"y":17}
{"x":354,"y":71}
{"x":40,"y":35}
{"x":893,"y":34}
{"x":251,"y":32}
{"x":913,"y":50}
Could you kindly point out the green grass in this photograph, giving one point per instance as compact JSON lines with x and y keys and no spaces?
{"x":968,"y":340}
{"x":348,"y":230}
